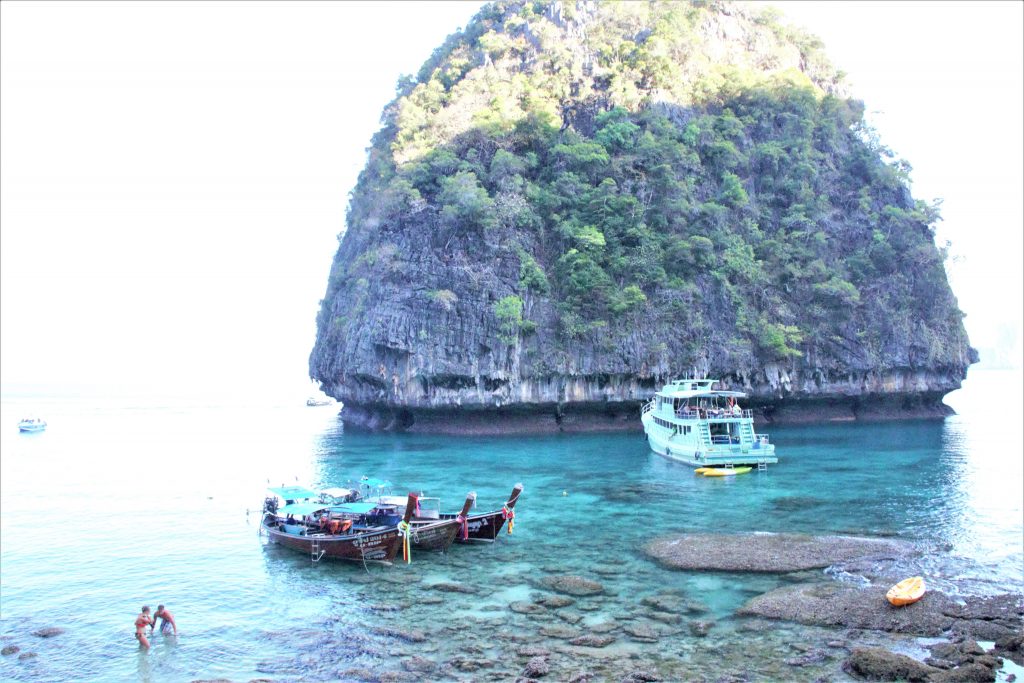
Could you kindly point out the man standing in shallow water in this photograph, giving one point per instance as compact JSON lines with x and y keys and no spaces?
{"x":141,"y":622}
{"x":168,"y":620}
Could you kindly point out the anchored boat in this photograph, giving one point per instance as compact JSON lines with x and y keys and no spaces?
{"x":485,"y":526}
{"x":689,"y":421}
{"x":480,"y":526}
{"x":32,"y":424}
{"x":368,"y":533}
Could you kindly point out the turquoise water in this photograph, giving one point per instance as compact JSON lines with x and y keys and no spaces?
{"x":124,"y":502}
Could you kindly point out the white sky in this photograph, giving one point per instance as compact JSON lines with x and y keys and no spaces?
{"x":173,"y":175}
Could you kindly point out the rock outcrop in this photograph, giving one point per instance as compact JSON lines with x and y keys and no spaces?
{"x":573,"y":203}
{"x":766,"y":552}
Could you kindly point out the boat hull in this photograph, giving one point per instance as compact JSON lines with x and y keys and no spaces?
{"x":483,"y":527}
{"x":372,"y":546}
{"x":31,"y":430}
{"x":434,"y":535}
{"x":697,"y":456}
{"x":906,"y":592}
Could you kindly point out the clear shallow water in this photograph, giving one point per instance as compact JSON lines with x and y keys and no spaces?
{"x":123,"y":502}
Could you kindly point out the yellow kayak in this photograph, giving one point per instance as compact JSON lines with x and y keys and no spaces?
{"x":906,"y":592}
{"x":702,"y":470}
{"x":716,"y":472}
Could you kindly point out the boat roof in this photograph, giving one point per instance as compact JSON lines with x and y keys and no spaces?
{"x":393,"y":500}
{"x":694,"y":388}
{"x":403,"y":500}
{"x":300,"y":509}
{"x":292,"y":492}
{"x":336,"y":492}
{"x":355,"y":508}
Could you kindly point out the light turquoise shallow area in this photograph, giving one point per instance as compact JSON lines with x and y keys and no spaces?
{"x":123,"y":502}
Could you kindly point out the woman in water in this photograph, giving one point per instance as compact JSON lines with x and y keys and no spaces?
{"x":141,"y":622}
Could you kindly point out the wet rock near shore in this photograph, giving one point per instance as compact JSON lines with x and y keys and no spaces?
{"x":556,"y":601}
{"x":835,"y":604}
{"x":1011,"y":647}
{"x":452,"y":588}
{"x":879,"y":664}
{"x":592,"y":640}
{"x":763,"y":552}
{"x":962,"y":661}
{"x":417,"y":664}
{"x":411,"y":636}
{"x":48,"y":632}
{"x":10,"y":650}
{"x":572,"y":585}
{"x":527,"y":608}
{"x":536,"y":667}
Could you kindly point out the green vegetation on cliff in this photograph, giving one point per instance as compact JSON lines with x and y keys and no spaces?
{"x":691,"y":170}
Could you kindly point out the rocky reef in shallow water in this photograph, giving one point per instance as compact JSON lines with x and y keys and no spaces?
{"x":573,"y":203}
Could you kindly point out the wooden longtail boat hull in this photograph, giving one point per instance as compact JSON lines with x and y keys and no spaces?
{"x":482,"y":527}
{"x":374,"y":546}
{"x":434,"y":535}
{"x":486,"y":526}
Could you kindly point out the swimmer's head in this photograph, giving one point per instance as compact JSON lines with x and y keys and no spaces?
{"x":159,"y":608}
{"x":145,"y":608}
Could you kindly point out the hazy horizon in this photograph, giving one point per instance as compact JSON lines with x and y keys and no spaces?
{"x":174,"y":176}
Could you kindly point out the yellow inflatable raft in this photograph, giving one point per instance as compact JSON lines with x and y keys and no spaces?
{"x":723,"y":472}
{"x":906,"y":592}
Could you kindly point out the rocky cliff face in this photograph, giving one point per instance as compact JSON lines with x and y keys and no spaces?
{"x":573,"y":204}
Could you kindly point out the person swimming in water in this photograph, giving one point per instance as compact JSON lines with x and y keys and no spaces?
{"x":167,"y":622}
{"x":141,"y":622}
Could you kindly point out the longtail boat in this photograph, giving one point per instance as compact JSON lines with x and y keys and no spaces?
{"x":304,"y":523}
{"x":485,"y":526}
{"x":430,"y":529}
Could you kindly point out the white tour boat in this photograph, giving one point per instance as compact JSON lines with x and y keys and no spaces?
{"x":689,"y":422}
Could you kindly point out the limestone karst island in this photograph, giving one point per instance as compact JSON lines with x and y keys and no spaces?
{"x":571,"y":204}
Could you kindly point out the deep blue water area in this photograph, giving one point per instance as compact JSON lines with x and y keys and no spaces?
{"x":128,"y":501}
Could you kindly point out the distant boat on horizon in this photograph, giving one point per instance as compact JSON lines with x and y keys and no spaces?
{"x":32,"y":424}
{"x":317,"y":402}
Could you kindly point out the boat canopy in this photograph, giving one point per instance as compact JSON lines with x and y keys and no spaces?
{"x":292,"y":492}
{"x":337,"y":492}
{"x":694,"y":388}
{"x":300,"y":509}
{"x":355,"y":508}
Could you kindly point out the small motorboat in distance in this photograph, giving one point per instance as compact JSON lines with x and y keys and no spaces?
{"x":317,"y":402}
{"x":906,"y":592}
{"x":32,"y":424}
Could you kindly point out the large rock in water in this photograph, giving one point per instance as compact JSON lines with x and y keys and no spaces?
{"x":572,"y":203}
{"x":765,"y":552}
{"x":836,"y":604}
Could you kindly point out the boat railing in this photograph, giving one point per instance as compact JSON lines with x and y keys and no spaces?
{"x":702,"y":414}
{"x":647,"y":407}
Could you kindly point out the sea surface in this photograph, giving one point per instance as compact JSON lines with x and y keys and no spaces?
{"x":126,"y":501}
